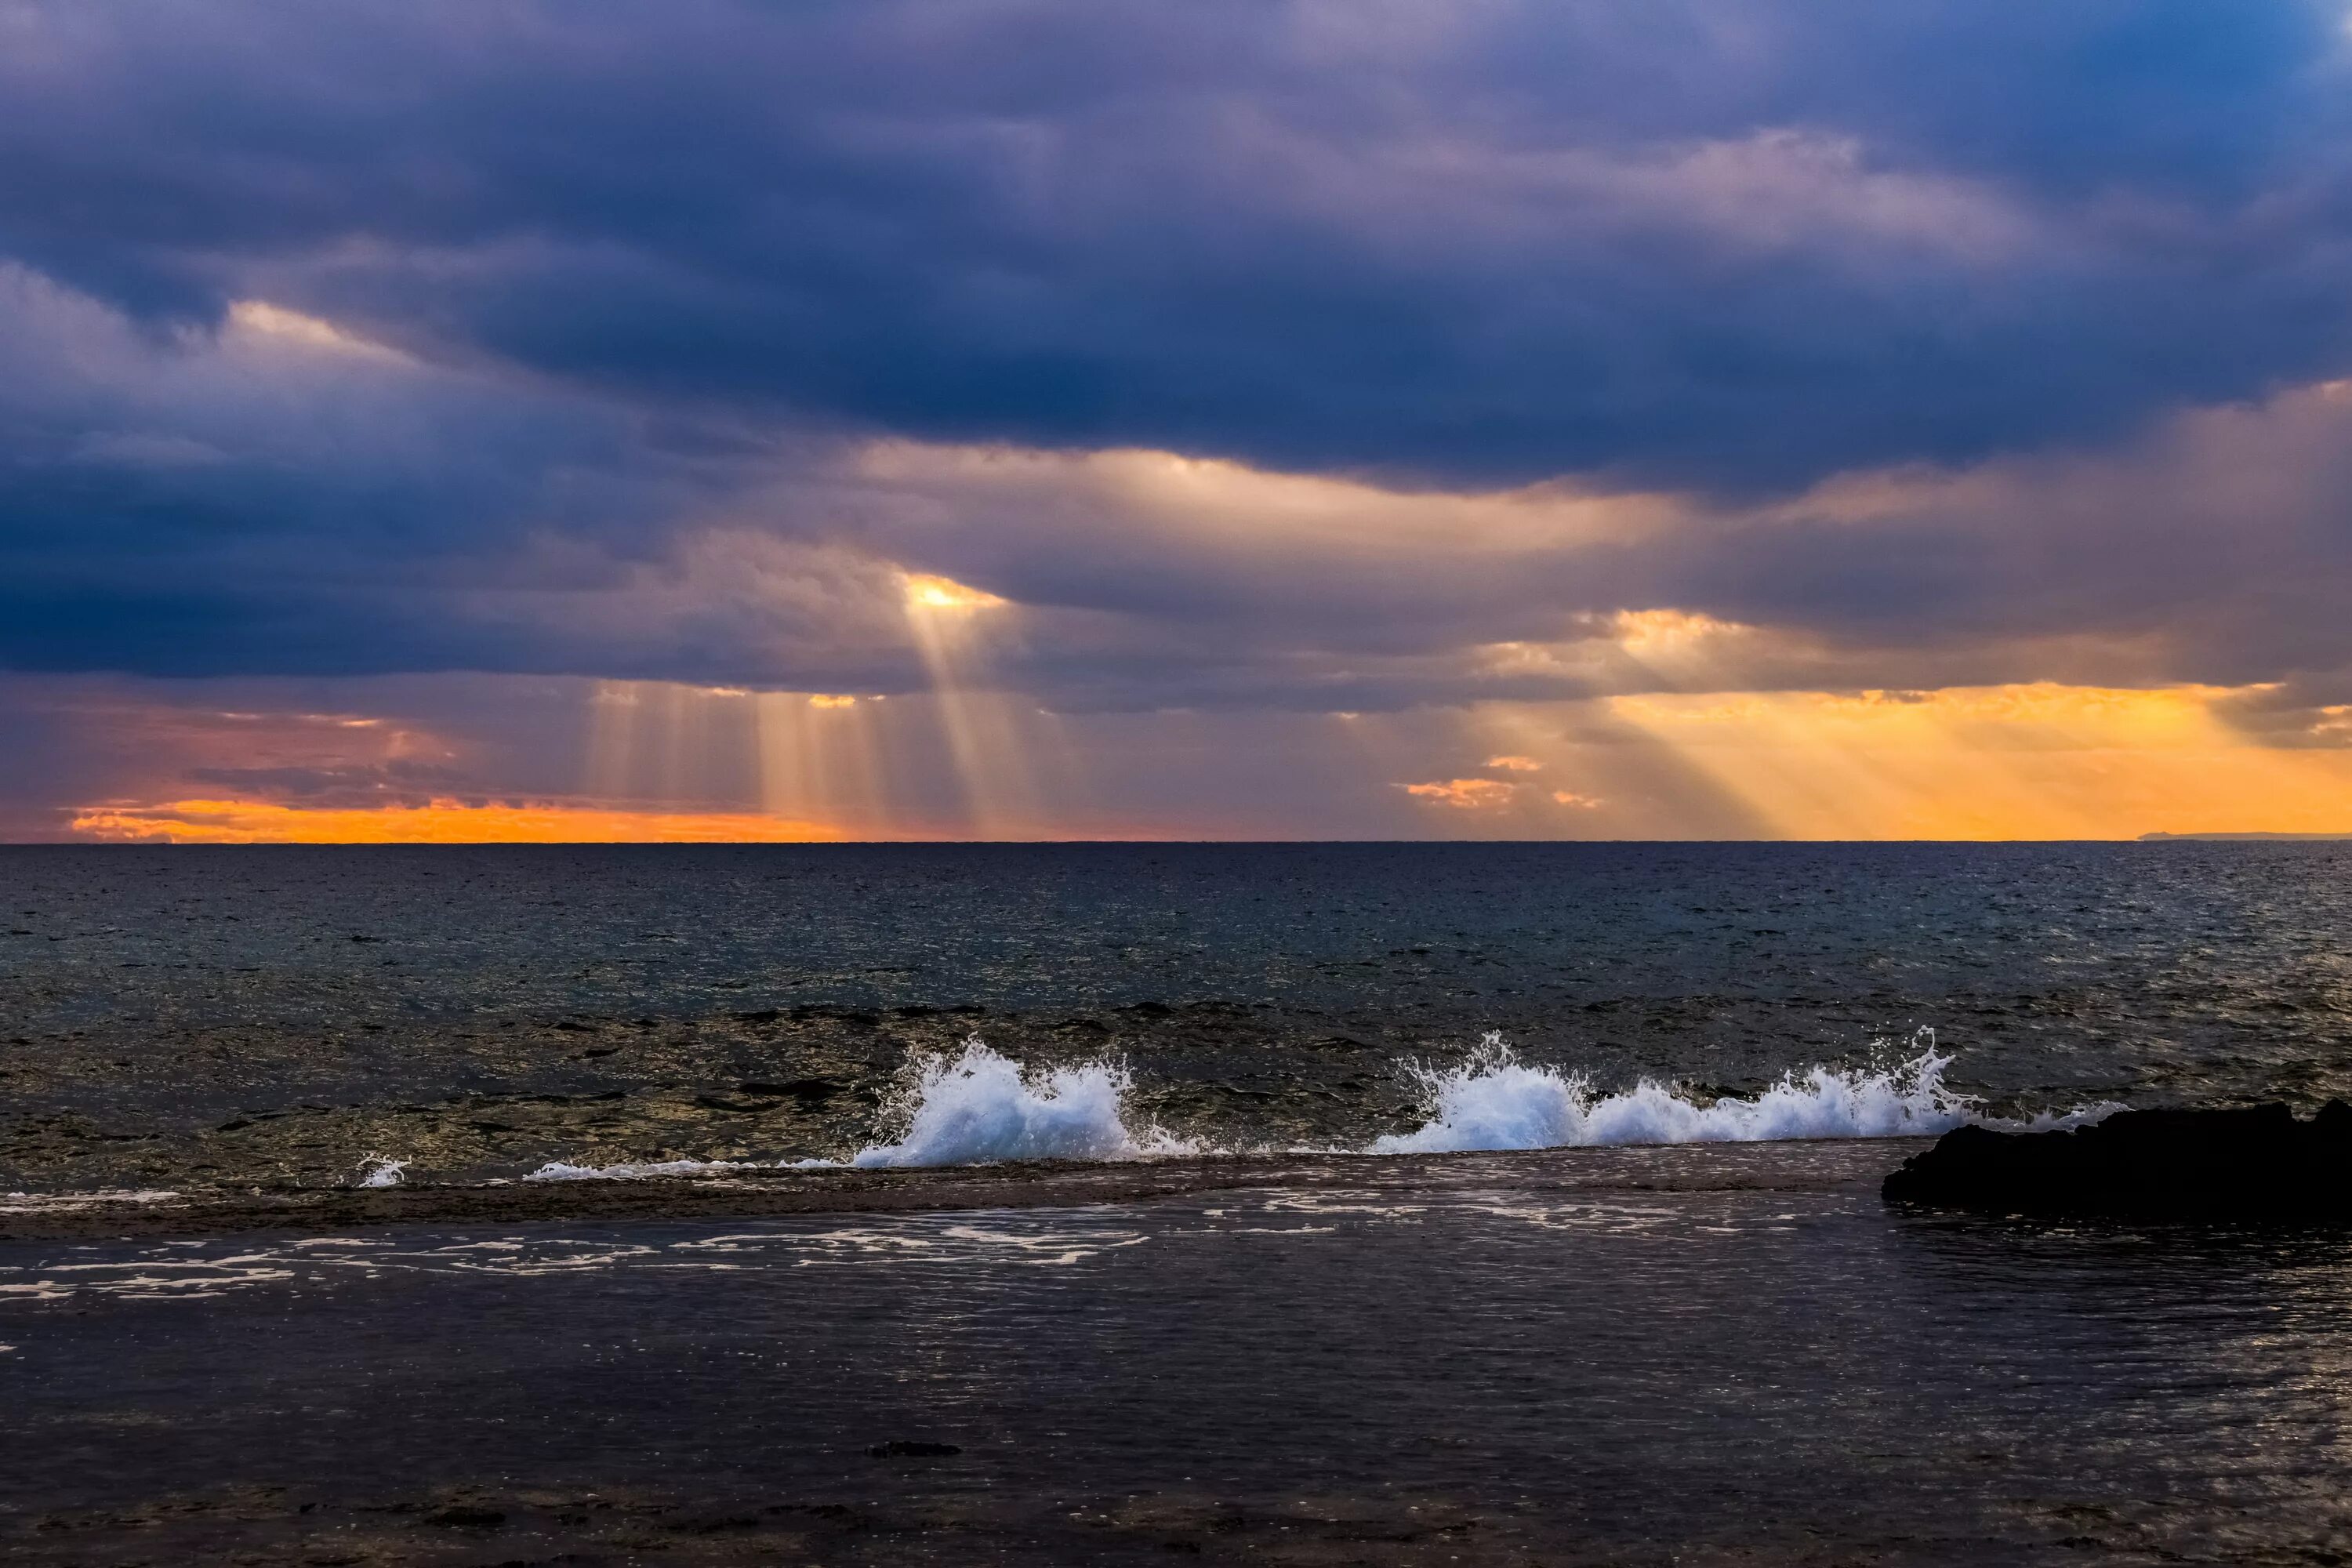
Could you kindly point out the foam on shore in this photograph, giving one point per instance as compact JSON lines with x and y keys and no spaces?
{"x":562,"y":1171}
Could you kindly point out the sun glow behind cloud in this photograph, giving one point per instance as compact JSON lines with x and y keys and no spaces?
{"x":993,"y":736}
{"x":927,"y":592}
{"x":959,"y":760}
{"x":2038,"y":761}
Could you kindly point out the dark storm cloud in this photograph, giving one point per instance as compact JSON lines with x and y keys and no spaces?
{"x":615,"y":294}
{"x":274,"y":497}
{"x":1732,"y":244}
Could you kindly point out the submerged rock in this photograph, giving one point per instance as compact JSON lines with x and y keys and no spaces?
{"x":2259,"y":1163}
{"x":908,"y":1448}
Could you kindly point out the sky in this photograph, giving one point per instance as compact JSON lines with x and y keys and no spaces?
{"x":480,"y":419}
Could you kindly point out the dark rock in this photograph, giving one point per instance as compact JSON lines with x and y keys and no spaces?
{"x":904,"y":1448}
{"x":712,"y":1526}
{"x":2260,"y":1162}
{"x":466,"y":1517}
{"x":808,"y":1089}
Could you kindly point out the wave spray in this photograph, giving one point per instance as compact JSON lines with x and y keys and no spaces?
{"x":1494,"y":1101}
{"x":979,"y":1106}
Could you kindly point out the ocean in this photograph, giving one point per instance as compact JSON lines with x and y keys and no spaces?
{"x":1333,"y":1202}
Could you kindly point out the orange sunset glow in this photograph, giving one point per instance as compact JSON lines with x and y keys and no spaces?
{"x":2037,"y":761}
{"x":703,"y":764}
{"x":436,"y":822}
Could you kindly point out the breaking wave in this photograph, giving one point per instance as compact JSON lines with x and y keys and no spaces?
{"x":976,"y":1108}
{"x":1494,"y":1101}
{"x":980,"y":1107}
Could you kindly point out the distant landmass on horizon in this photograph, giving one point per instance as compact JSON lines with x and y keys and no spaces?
{"x":2154,"y":838}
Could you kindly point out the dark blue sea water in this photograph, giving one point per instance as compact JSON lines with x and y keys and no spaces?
{"x":1684,"y":1338}
{"x":240,"y":1014}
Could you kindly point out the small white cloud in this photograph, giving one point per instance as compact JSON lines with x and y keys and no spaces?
{"x":1463,"y":794}
{"x":258,"y":320}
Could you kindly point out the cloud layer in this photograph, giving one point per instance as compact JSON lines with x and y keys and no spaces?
{"x":1740,"y":244}
{"x":1287,"y":360}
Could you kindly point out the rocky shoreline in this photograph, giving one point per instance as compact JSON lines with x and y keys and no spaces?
{"x":2257,"y":1163}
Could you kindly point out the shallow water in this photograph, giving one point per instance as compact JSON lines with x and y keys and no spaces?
{"x":1508,"y":1358}
{"x":180,"y":1018}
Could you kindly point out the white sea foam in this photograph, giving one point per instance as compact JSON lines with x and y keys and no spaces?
{"x":979,"y":1108}
{"x":558,"y":1171}
{"x":382,"y":1171}
{"x":1494,"y":1101}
